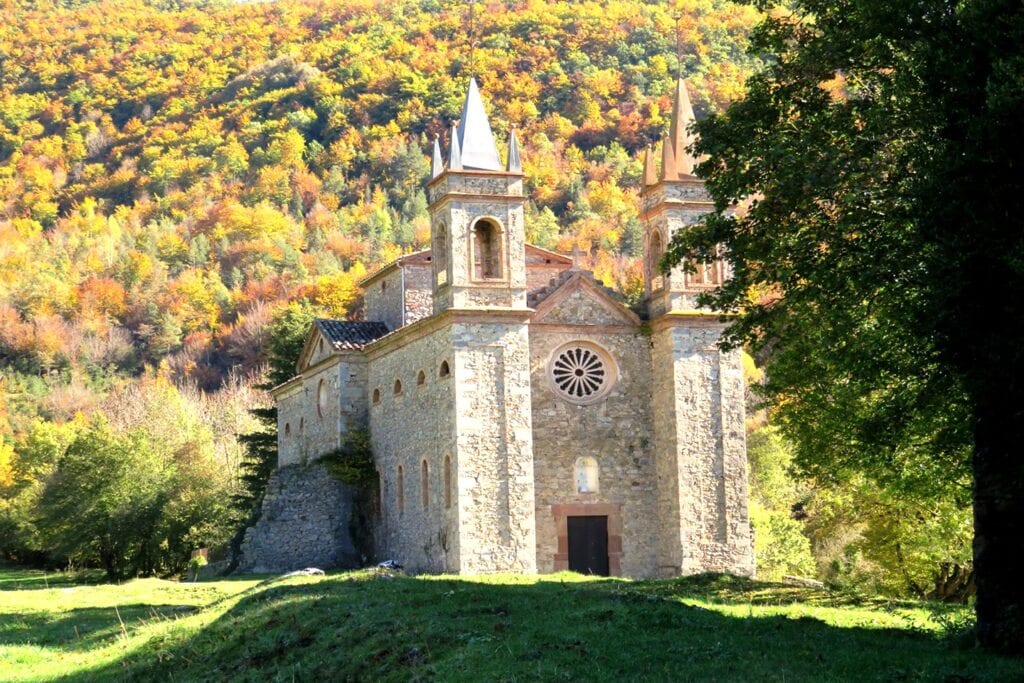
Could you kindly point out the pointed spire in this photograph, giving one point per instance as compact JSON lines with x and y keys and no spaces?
{"x":668,"y":161}
{"x":476,"y":142}
{"x":515,"y":163}
{"x":455,"y":151}
{"x":436,"y":165}
{"x":679,"y":136}
{"x":650,"y":168}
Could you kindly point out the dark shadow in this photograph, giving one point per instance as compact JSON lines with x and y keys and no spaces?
{"x":83,"y":628}
{"x":17,"y":578}
{"x":366,"y":626}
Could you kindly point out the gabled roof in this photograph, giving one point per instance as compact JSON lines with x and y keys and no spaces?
{"x":342,"y":335}
{"x":350,"y":334}
{"x":546,"y":300}
{"x":547,"y":254}
{"x":422,"y":256}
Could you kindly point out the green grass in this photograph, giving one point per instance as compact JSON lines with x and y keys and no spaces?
{"x":365,"y":625}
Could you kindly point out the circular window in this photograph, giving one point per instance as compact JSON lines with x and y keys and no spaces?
{"x":581,"y":372}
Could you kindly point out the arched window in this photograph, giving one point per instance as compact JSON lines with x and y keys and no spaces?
{"x":321,"y":399}
{"x":586,"y":475}
{"x":421,"y":378}
{"x":424,"y":484}
{"x":287,"y":429}
{"x":445,"y":370}
{"x":447,"y":481}
{"x":486,"y":250}
{"x":320,"y":346}
{"x":401,"y":490}
{"x":656,"y":252}
{"x":398,"y":386}
{"x":376,"y":396}
{"x":440,"y":255}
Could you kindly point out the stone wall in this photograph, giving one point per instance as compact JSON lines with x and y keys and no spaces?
{"x":419,"y":296}
{"x":307,"y":428}
{"x":305,"y":523}
{"x":407,"y":428}
{"x":701,"y":449}
{"x":494,"y":449}
{"x":616,"y":431}
{"x":383,"y":299}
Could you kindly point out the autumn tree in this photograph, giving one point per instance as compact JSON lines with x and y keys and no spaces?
{"x":883,"y":246}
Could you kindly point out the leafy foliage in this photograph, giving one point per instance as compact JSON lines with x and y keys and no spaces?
{"x":880,"y":244}
{"x":352,"y":463}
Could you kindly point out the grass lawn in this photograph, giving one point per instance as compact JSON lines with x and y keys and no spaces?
{"x":368,"y":625}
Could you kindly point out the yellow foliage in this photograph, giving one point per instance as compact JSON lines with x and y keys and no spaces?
{"x":6,"y":464}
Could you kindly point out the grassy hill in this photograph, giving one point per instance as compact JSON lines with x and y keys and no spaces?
{"x":366,"y":625}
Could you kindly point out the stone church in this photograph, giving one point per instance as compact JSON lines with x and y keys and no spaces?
{"x":523,"y":419}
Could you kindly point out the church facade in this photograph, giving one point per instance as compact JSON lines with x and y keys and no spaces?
{"x":523,"y":419}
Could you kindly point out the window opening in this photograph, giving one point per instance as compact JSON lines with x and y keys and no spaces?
{"x":486,"y":250}
{"x":401,"y":490}
{"x":447,"y":481}
{"x":424,"y":484}
{"x":587,"y":475}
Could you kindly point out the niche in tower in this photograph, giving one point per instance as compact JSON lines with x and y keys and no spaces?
{"x":487,"y":250}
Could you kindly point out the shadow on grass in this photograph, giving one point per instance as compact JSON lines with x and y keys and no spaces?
{"x":82,"y":628}
{"x":18,"y":578}
{"x":381,"y":627}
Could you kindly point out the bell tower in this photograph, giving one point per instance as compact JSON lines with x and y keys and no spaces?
{"x":670,"y":201}
{"x":699,"y":411}
{"x":477,"y":217}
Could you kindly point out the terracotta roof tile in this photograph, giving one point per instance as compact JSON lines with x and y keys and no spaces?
{"x":351,"y":334}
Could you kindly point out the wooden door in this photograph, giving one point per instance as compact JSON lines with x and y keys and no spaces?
{"x":588,"y":544}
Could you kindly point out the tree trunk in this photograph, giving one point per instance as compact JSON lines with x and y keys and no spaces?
{"x":999,"y":521}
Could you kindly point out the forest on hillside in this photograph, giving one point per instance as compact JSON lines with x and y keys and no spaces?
{"x":184,"y":183}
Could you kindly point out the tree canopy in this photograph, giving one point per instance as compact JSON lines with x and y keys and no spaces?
{"x":868,"y":197}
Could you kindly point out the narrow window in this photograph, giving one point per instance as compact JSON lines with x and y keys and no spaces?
{"x":320,"y":346}
{"x":444,"y":371}
{"x":441,"y":254}
{"x":321,"y":399}
{"x":376,"y":396}
{"x":486,"y":250}
{"x":421,"y":378}
{"x":287,"y":429}
{"x":401,"y":490}
{"x":424,"y":484}
{"x":302,"y":425}
{"x":586,"y":475}
{"x":657,"y":248}
{"x":398,"y":386}
{"x":447,"y":481}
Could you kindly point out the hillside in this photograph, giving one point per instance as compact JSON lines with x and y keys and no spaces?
{"x":172,"y":172}
{"x":362,"y":626}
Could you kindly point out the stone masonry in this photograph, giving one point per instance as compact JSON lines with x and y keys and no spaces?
{"x":522,"y":418}
{"x":305,"y":523}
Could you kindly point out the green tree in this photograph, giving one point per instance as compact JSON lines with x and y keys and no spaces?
{"x":104,"y":502}
{"x":884,"y":253}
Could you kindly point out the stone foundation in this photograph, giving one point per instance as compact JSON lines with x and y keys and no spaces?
{"x":305,"y":523}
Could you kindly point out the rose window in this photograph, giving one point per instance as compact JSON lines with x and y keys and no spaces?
{"x":582,"y":373}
